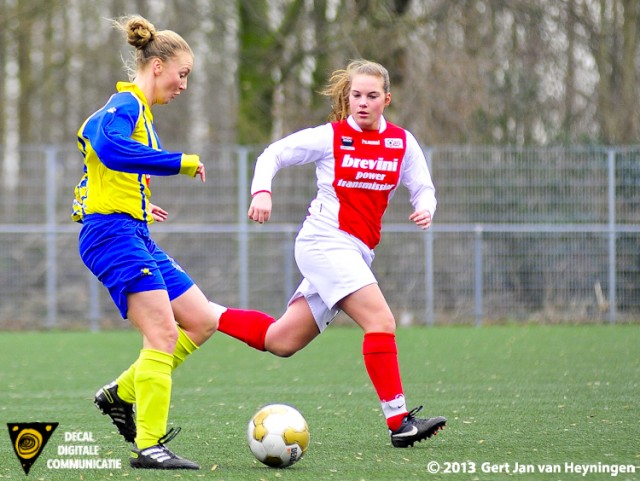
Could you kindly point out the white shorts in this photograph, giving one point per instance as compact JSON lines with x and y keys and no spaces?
{"x":333,"y":265}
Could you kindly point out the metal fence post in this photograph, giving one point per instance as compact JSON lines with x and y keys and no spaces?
{"x":478,"y":268}
{"x":243,"y":232}
{"x":51,"y":238}
{"x":428,"y":278}
{"x":611,"y":163}
{"x":94,"y":302}
{"x":288,"y":266}
{"x":429,"y":310}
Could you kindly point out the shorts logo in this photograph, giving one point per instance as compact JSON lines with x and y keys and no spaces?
{"x":28,"y":440}
{"x":393,"y":143}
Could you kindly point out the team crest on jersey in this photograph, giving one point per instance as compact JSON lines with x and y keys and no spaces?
{"x":393,"y":143}
{"x":347,"y":143}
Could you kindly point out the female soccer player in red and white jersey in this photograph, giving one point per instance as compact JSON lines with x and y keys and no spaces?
{"x":360,"y":161}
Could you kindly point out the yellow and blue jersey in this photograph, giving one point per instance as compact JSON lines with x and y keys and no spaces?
{"x":121,"y":151}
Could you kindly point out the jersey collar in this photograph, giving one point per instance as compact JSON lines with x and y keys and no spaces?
{"x":352,"y":122}
{"x":135,"y":90}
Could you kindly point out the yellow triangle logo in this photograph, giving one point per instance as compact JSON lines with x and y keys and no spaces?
{"x":28,"y":440}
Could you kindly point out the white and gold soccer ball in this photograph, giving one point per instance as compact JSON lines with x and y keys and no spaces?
{"x":278,"y":435}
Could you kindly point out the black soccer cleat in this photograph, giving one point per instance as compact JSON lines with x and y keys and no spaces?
{"x":159,"y":456}
{"x":120,"y":412}
{"x":414,"y":429}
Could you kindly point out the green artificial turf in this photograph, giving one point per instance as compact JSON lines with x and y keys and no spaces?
{"x":544,"y":397}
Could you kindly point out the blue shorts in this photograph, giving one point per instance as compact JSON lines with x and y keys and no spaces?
{"x":118,"y":250}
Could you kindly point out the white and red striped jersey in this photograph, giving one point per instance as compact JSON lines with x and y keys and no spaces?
{"x":357,"y":173}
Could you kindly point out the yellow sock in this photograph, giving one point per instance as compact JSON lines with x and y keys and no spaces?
{"x":125,"y":382}
{"x":184,"y":347}
{"x":153,"y":395}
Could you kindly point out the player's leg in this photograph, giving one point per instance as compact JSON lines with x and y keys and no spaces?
{"x":301,"y":323}
{"x":284,"y":337}
{"x":245,"y":325}
{"x":128,"y":252}
{"x":197,"y":321}
{"x":130,"y":273}
{"x":195,"y":315}
{"x":191,"y":310}
{"x":151,"y":312}
{"x":293,"y":331}
{"x":369,"y":309}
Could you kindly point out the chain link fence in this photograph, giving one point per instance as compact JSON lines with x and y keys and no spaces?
{"x":520,"y":235}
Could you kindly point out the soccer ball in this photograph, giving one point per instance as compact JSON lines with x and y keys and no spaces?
{"x":278,"y":435}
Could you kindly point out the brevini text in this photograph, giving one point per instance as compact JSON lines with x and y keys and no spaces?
{"x":379,"y":164}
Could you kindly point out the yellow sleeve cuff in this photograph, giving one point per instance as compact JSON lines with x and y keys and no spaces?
{"x":189,"y":164}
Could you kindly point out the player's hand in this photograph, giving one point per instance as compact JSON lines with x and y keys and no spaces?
{"x":260,"y":209}
{"x":158,"y":213}
{"x":201,"y":172}
{"x":422,"y":218}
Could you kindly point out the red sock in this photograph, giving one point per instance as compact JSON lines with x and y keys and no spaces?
{"x":381,"y":360}
{"x":247,"y":326}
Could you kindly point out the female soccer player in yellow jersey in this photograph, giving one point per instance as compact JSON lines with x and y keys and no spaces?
{"x":360,"y":160}
{"x":121,"y":151}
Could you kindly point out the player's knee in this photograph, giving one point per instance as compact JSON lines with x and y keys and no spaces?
{"x":163,"y":337}
{"x":171,"y":335}
{"x":384,"y":324}
{"x":202,"y":329}
{"x":209,"y":326}
{"x":283,"y":352}
{"x":207,"y":323}
{"x":388,"y":325}
{"x":284,"y":339}
{"x":281,"y":349}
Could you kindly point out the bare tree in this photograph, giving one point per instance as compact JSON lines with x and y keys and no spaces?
{"x":613,"y":42}
{"x":463,"y":71}
{"x":11,"y":94}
